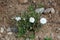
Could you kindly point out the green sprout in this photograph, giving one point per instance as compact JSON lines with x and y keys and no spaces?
{"x":31,"y":8}
{"x":24,"y":25}
{"x":47,"y":38}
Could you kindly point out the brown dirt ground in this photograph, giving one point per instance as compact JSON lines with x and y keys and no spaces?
{"x":10,"y":8}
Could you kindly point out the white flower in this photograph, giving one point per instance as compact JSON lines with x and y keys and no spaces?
{"x":31,"y":19}
{"x":43,"y":20}
{"x":39,"y":10}
{"x":17,"y":18}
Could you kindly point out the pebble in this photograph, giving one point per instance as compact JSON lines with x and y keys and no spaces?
{"x":52,"y":10}
{"x":27,"y":39}
{"x":58,"y":37}
{"x":14,"y":29}
{"x":23,"y":1}
{"x":36,"y":38}
{"x":48,"y":10}
{"x":9,"y":33}
{"x":59,"y":29}
{"x":39,"y":10}
{"x":2,"y":30}
{"x":9,"y":29}
{"x":10,"y":6}
{"x":34,"y":1}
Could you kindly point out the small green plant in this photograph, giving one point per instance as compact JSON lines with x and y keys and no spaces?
{"x":29,"y":22}
{"x":47,"y":38}
{"x":32,"y":36}
{"x":31,"y":8}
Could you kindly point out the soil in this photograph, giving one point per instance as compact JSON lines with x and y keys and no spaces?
{"x":11,"y":8}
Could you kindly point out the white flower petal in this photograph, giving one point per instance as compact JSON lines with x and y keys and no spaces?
{"x":31,"y":19}
{"x":43,"y":20}
{"x":17,"y":18}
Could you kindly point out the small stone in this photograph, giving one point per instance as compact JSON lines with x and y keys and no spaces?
{"x":36,"y":36}
{"x":52,"y":10}
{"x":9,"y":29}
{"x":9,"y":33}
{"x":48,"y":10}
{"x":58,"y":37}
{"x":23,"y":1}
{"x":10,"y":6}
{"x":34,"y":1}
{"x":59,"y":29}
{"x":39,"y":10}
{"x":27,"y":39}
{"x":2,"y":30}
{"x":14,"y":29}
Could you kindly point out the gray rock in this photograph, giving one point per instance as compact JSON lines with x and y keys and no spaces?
{"x":52,"y":10}
{"x":8,"y":29}
{"x":48,"y":10}
{"x":39,"y":10}
{"x":14,"y":29}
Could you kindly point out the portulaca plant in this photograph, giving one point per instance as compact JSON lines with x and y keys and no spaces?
{"x":29,"y":21}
